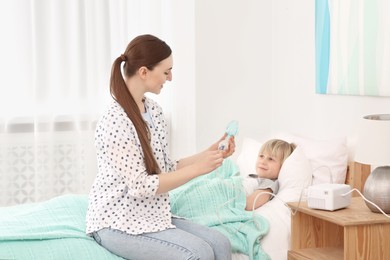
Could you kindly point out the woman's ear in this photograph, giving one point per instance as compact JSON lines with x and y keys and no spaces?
{"x":143,"y":72}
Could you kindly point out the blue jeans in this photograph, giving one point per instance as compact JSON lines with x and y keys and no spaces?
{"x":187,"y":241}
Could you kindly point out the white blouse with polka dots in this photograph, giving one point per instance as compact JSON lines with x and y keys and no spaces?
{"x":123,"y":195}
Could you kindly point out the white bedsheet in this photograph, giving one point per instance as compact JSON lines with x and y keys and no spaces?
{"x":277,"y":242}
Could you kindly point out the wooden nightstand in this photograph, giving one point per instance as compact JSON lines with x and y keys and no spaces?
{"x":351,"y":233}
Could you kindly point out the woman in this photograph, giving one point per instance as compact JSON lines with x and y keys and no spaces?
{"x":129,"y":210}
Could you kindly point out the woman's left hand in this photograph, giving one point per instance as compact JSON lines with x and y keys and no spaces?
{"x":229,"y":150}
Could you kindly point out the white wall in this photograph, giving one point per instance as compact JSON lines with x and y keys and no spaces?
{"x":255,"y":63}
{"x":180,"y":104}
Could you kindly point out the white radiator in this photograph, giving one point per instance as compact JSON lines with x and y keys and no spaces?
{"x":36,"y":166}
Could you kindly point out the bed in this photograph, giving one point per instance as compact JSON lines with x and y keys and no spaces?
{"x":55,"y":229}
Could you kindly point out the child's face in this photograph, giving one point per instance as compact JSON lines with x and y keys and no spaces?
{"x":268,"y":166}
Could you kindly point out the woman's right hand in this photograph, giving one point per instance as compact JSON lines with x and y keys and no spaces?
{"x":230,"y":146}
{"x":190,"y":168}
{"x":209,"y":161}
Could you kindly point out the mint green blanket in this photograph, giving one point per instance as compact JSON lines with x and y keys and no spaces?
{"x":218,"y":200}
{"x":53,"y":229}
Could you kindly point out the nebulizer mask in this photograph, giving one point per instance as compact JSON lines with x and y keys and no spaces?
{"x":231,"y":130}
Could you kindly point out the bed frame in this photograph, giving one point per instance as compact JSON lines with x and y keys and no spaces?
{"x":357,"y":174}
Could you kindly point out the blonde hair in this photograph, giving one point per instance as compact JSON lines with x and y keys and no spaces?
{"x":278,"y":148}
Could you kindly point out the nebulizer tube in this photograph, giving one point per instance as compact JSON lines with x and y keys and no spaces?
{"x":231,"y":130}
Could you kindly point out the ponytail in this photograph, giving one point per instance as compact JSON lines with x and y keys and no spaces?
{"x":122,"y":95}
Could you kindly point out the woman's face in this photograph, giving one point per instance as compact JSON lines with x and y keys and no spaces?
{"x":159,"y":75}
{"x":268,"y":166}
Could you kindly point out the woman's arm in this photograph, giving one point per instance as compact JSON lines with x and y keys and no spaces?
{"x":193,"y":166}
{"x":260,"y":198}
{"x":203,"y":163}
{"x":201,"y":156}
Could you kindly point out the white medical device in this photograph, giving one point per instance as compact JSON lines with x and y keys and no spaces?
{"x":328,"y":196}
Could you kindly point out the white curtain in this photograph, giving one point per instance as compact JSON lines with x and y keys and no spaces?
{"x":55,"y":65}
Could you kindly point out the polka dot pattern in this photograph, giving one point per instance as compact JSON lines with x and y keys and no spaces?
{"x":123,"y":195}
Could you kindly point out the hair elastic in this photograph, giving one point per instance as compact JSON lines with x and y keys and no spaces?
{"x":123,"y":57}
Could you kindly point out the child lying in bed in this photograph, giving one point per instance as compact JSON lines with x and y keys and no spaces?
{"x":271,"y":156}
{"x":218,"y":199}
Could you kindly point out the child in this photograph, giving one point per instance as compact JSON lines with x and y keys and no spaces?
{"x":272,"y":155}
{"x":217,"y":200}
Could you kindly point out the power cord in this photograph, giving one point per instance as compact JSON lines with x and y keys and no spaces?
{"x":372,"y":203}
{"x":293,"y":212}
{"x":240,"y":190}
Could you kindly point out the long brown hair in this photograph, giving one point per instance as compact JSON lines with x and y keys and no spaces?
{"x":144,"y":50}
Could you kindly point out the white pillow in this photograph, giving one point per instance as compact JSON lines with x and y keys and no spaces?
{"x":246,"y":160}
{"x":295,"y":176}
{"x":329,"y":158}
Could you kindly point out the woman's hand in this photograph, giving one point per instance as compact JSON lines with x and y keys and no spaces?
{"x":203,"y":156}
{"x":196,"y":165}
{"x":190,"y":168}
{"x":230,"y":148}
{"x":209,"y":161}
